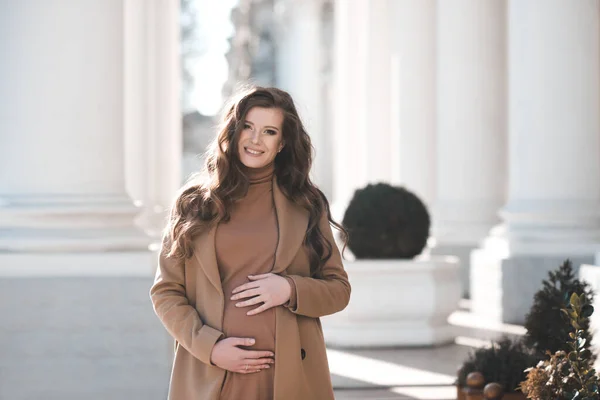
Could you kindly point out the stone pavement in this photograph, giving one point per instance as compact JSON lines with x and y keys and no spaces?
{"x":412,"y":373}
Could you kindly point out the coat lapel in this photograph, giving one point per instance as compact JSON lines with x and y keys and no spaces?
{"x":292,"y":220}
{"x":205,"y":253}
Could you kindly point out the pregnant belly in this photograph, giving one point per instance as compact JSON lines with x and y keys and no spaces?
{"x":260,"y":327}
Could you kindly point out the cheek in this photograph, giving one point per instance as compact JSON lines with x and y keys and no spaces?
{"x":273,"y":144}
{"x":243,"y":138}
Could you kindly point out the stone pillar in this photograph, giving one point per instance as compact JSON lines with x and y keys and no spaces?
{"x":552,"y":212}
{"x":348,"y":158}
{"x":153,"y":139}
{"x":62,"y":158}
{"x":591,"y":275}
{"x":471,"y":118}
{"x":74,"y":269}
{"x":413,"y":69}
{"x":363,"y":151}
{"x":300,"y":71}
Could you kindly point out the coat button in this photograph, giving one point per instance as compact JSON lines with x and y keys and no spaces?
{"x":302,"y":353}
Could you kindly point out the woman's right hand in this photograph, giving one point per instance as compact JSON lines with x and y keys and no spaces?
{"x":225,"y":354}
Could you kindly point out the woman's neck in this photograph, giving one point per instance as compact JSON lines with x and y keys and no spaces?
{"x":259,"y":175}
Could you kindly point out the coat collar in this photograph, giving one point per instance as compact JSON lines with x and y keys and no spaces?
{"x":293,"y":222}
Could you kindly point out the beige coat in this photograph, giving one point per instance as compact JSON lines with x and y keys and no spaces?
{"x":188,"y":299}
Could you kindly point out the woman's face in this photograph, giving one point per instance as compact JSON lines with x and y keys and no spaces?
{"x":261,"y":139}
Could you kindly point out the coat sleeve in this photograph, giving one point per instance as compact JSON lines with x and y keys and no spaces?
{"x":291,"y":303}
{"x":173,"y":309}
{"x":327,"y":295}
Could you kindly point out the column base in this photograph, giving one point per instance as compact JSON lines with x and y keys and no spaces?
{"x":70,"y":224}
{"x":502,"y":287}
{"x":591,"y":275}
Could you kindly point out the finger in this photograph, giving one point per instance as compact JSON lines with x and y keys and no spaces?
{"x":252,"y":354}
{"x":247,"y":293}
{"x":252,"y":368}
{"x":261,"y":276}
{"x":259,"y":361}
{"x":258,"y":310}
{"x":251,"y":302}
{"x":242,"y":341}
{"x":245,"y":286}
{"x":249,"y":370}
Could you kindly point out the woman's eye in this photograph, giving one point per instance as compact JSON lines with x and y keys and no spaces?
{"x":271,"y":132}
{"x":246,"y":126}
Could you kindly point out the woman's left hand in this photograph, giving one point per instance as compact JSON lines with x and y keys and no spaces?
{"x":270,"y":289}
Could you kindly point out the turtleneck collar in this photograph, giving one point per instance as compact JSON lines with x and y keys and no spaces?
{"x":259,"y":175}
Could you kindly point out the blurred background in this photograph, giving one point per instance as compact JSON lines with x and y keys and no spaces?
{"x":487,"y":110}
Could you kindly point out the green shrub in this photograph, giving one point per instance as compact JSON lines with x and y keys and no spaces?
{"x":545,"y":330}
{"x":504,"y":362}
{"x":386,"y":222}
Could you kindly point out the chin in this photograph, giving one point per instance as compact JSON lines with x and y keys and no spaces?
{"x":254,"y":162}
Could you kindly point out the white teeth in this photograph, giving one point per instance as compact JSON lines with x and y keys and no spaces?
{"x":253,"y":151}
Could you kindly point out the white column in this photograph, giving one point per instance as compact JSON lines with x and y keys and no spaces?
{"x":65,"y":216}
{"x":553,"y":209}
{"x":471,"y":117}
{"x":348,"y":157}
{"x":376,"y":124}
{"x":413,"y":69}
{"x":62,"y":187}
{"x":153,"y":136}
{"x":362,"y":150}
{"x":300,"y":71}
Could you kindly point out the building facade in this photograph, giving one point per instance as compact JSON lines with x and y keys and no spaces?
{"x":488,"y":110}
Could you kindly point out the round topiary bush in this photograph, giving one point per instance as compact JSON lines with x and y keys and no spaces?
{"x":386,"y":222}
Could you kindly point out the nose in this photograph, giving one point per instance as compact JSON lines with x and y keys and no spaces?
{"x":254,"y":137}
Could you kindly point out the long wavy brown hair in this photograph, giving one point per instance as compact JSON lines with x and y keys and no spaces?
{"x":200,"y":205}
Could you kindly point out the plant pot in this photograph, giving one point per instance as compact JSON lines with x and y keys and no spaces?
{"x":514,"y":396}
{"x":397,"y":303}
{"x":460,"y":395}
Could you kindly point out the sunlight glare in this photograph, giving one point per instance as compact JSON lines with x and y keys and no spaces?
{"x":382,"y":373}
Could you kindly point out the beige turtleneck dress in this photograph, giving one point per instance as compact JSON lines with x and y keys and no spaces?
{"x":245,"y":245}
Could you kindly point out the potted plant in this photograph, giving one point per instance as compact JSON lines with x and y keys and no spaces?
{"x":504,"y":362}
{"x":567,"y":375}
{"x":400,"y":297}
{"x":547,"y":335}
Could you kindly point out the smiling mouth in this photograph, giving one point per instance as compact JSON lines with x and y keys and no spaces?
{"x":253,"y":152}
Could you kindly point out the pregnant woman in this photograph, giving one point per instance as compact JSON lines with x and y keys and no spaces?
{"x":248,"y":263}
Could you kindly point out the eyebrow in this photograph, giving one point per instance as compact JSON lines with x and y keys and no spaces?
{"x":268,"y":126}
